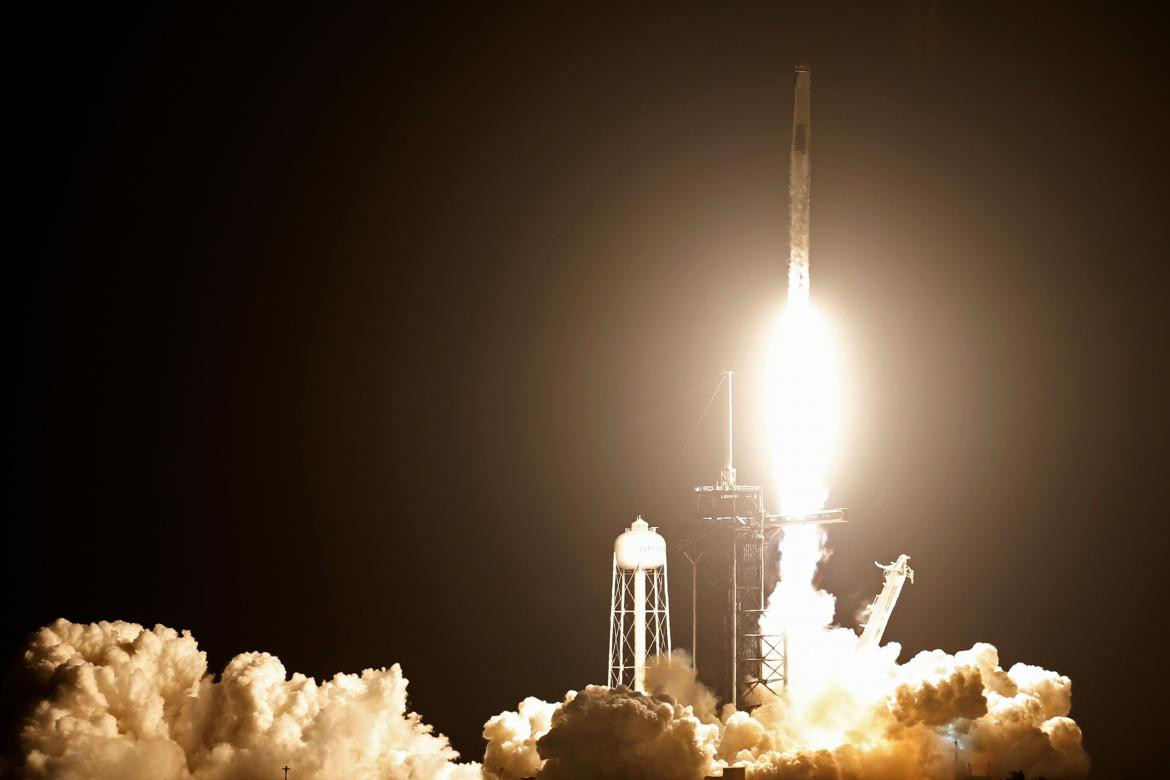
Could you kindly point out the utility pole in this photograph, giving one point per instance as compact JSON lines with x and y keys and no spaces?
{"x":694,"y":607}
{"x":285,"y":771}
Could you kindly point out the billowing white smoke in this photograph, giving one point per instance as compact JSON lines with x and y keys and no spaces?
{"x":512,"y":737}
{"x":935,"y":715}
{"x":116,"y":700}
{"x":848,"y":712}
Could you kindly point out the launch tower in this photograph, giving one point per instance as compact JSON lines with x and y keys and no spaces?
{"x":734,"y":565}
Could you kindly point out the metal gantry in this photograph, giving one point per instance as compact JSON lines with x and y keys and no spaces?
{"x":751,"y":660}
{"x":740,"y":554}
{"x":761,"y":660}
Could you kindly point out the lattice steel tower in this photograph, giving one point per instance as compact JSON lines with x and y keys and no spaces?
{"x":736,"y":539}
{"x":639,"y":618}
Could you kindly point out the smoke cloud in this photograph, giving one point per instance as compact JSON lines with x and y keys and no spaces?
{"x":116,"y":700}
{"x":603,"y":732}
{"x":512,"y":738}
{"x":935,"y":716}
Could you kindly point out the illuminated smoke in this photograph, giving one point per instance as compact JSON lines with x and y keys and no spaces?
{"x":604,"y":732}
{"x":512,"y":738}
{"x":929,"y":718}
{"x":115,"y":700}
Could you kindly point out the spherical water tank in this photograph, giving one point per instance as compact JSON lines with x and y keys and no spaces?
{"x":640,"y":547}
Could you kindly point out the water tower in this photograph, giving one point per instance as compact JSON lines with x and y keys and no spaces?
{"x":639,"y":618}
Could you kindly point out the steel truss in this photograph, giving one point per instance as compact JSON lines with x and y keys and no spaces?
{"x":625,"y":626}
{"x":760,"y":661}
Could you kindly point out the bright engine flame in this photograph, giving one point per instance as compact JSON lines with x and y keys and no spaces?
{"x":802,"y":408}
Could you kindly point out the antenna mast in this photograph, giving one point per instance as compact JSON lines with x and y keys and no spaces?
{"x":727,"y":477}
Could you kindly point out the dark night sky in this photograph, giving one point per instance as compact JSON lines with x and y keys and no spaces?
{"x":341,"y":334}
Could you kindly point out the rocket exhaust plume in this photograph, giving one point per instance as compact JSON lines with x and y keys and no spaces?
{"x":801,"y":383}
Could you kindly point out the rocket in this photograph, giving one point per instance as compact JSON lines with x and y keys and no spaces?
{"x":799,"y":189}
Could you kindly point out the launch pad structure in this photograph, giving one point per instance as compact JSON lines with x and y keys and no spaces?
{"x":736,"y":542}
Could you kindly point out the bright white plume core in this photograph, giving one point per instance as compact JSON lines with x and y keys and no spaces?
{"x":803,"y":406}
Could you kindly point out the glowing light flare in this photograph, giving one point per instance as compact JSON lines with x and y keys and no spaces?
{"x":796,"y":607}
{"x":802,"y":407}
